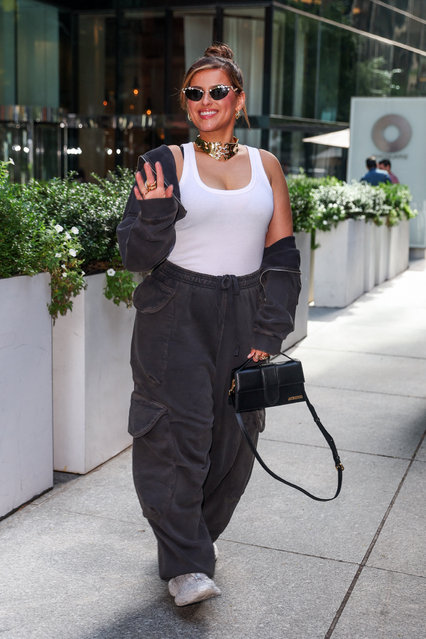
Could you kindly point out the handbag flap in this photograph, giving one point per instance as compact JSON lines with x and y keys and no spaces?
{"x":250,"y":379}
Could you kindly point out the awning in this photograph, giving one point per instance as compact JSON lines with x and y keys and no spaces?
{"x":335,"y":138}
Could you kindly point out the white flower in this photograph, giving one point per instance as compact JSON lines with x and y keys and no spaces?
{"x":75,"y":230}
{"x":64,"y":265}
{"x":110,"y":272}
{"x":64,"y":274}
{"x":11,"y":161}
{"x":59,"y":228}
{"x":72,"y":252}
{"x":67,"y":236}
{"x":58,"y":255}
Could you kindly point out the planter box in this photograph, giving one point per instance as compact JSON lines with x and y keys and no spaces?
{"x":339,"y":264}
{"x":399,"y":248}
{"x":303,"y":243}
{"x":369,"y":256}
{"x":26,"y":464}
{"x":381,"y":240}
{"x":91,"y":380}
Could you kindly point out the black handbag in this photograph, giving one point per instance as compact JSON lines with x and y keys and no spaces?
{"x":269,"y":384}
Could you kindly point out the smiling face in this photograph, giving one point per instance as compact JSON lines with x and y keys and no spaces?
{"x":215,"y":119}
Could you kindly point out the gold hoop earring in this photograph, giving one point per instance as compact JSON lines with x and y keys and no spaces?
{"x":237,"y":114}
{"x":189,"y":117}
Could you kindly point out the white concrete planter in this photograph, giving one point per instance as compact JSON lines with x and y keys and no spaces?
{"x":26,"y":464}
{"x":303,"y":243}
{"x":381,"y":239}
{"x":339,"y":264}
{"x":369,"y":256}
{"x":91,"y":380}
{"x":399,"y":248}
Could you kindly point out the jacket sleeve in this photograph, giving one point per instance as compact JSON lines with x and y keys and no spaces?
{"x":146,"y":234}
{"x":280,"y":286}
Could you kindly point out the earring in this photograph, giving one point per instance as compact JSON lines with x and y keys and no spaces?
{"x":237,"y":114}
{"x":189,"y":117}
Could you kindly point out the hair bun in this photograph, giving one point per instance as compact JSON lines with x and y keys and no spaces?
{"x":219,"y":50}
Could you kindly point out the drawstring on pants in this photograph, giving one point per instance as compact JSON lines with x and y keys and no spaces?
{"x":230,"y":283}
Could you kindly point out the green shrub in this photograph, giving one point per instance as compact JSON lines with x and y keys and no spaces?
{"x":66,"y":228}
{"x":320,"y":204}
{"x":397,"y":201}
{"x":95,"y":208}
{"x":69,"y":228}
{"x":20,"y":230}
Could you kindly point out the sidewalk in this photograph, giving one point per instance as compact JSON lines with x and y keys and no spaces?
{"x":80,"y":562}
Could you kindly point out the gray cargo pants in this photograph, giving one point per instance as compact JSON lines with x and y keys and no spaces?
{"x":190,"y":462}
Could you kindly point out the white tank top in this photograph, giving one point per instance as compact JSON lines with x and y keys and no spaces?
{"x":223,"y":232}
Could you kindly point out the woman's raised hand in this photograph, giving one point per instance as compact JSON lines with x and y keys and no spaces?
{"x":152,"y":188}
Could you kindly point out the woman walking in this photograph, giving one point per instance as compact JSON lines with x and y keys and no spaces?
{"x":211,"y":221}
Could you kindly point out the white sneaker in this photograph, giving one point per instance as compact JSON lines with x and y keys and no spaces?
{"x":216,"y":551}
{"x":192,"y":587}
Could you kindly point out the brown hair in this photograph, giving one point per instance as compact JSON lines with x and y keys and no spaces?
{"x":217,"y":56}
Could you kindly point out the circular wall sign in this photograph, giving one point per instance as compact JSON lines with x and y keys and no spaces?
{"x":391,"y":121}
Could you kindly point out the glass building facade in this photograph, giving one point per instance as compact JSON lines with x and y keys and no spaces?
{"x":89,"y":86}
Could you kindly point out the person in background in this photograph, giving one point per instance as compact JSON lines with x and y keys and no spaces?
{"x":374,"y":175}
{"x":385,"y":165}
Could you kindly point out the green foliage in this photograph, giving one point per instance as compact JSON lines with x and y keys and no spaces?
{"x":63,"y":226}
{"x":95,"y":208}
{"x":20,"y":230}
{"x":69,"y":228}
{"x":320,"y":204}
{"x":373,"y":78}
{"x":303,"y":204}
{"x":59,"y":256}
{"x":119,"y":286}
{"x":397,"y":202}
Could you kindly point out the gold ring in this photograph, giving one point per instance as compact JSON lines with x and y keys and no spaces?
{"x":150,"y":187}
{"x":264,"y":357}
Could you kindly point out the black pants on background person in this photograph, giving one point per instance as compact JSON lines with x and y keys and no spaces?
{"x":190,"y":463}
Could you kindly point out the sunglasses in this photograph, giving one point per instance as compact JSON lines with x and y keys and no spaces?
{"x":216,"y":93}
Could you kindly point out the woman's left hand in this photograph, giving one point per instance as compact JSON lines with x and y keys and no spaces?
{"x":257,"y":355}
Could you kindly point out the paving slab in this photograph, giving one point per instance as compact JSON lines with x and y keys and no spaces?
{"x":62,"y":573}
{"x":276,"y":516}
{"x":421,"y":454}
{"x":79,"y":576}
{"x":406,"y":338}
{"x":401,"y":545}
{"x":105,"y":492}
{"x":363,"y":372}
{"x":405,"y":289}
{"x":384,"y":605}
{"x":265,"y":594}
{"x":374,"y":310}
{"x":373,"y":423}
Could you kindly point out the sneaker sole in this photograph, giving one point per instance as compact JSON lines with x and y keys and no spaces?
{"x":200,"y":596}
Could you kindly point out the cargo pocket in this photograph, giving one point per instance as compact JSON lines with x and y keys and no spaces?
{"x":254,"y":421}
{"x":154,"y":463}
{"x":260,"y":414}
{"x":153,"y":301}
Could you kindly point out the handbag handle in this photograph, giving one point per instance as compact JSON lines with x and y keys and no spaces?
{"x":330,"y":441}
{"x":261,"y":362}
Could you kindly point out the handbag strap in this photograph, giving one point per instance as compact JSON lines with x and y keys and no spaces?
{"x":329,"y":440}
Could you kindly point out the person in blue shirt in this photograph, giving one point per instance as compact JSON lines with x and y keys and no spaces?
{"x":374,"y":175}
